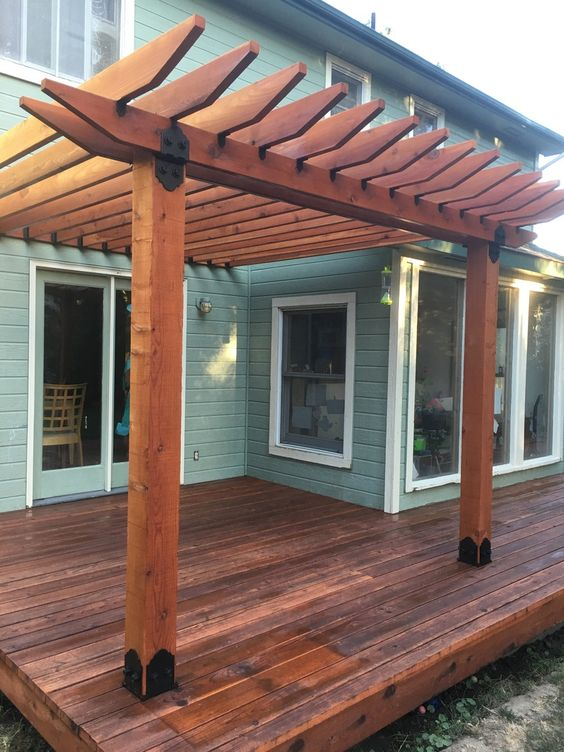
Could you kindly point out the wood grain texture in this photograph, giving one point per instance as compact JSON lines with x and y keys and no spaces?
{"x":478,"y":394}
{"x":303,"y":622}
{"x":156,"y":386}
{"x":127,"y":78}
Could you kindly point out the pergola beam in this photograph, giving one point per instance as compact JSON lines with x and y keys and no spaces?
{"x":265,"y":183}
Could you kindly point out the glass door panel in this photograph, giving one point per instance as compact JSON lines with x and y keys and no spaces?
{"x":503,"y":371}
{"x":71,"y":391}
{"x":438,"y":368}
{"x":121,"y":371}
{"x":539,"y":390}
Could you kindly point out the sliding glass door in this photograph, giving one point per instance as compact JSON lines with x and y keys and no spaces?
{"x":81,"y":384}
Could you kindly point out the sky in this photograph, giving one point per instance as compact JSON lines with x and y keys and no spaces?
{"x":510,"y":49}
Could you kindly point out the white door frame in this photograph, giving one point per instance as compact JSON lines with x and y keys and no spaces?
{"x":113,"y":274}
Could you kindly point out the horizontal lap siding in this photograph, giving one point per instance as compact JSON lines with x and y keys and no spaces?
{"x":215,"y":365}
{"x":226,"y":29}
{"x":14,"y":317}
{"x":216,"y":369}
{"x":216,"y":374}
{"x":352,"y":272}
{"x":15,"y":257}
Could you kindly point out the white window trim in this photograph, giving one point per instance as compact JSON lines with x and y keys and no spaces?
{"x":35,"y":75}
{"x":440,"y":480}
{"x":114,"y":274}
{"x":519,"y":363}
{"x":351,"y":70}
{"x":396,"y":359}
{"x":304,"y":454}
{"x":432,"y":109}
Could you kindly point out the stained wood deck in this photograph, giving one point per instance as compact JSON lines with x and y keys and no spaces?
{"x":304,"y":623}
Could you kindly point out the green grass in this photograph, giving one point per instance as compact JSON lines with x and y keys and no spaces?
{"x":460,"y":708}
{"x":16,"y":735}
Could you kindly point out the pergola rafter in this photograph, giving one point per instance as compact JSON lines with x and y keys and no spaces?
{"x":407,"y":184}
{"x":182,"y":171}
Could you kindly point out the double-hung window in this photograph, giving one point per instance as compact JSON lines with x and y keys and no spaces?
{"x":312,"y":378}
{"x":357,"y":80}
{"x":430,"y":116}
{"x":65,"y":38}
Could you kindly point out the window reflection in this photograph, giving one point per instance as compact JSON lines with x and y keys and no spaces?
{"x":313,"y":394}
{"x":122,"y":369}
{"x":539,"y":381}
{"x":72,"y":376}
{"x":437,"y":378}
{"x":503,"y":368}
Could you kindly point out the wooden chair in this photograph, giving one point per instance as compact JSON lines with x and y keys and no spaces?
{"x":63,"y":405}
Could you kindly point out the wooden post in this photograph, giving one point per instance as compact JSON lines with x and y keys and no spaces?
{"x":154,"y":446}
{"x":478,"y":403}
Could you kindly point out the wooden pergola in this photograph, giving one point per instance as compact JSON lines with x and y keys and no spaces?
{"x":180,"y":171}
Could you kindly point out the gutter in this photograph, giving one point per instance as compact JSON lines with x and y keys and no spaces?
{"x":348,"y":26}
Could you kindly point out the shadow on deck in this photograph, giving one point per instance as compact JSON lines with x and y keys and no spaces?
{"x":304,"y":623}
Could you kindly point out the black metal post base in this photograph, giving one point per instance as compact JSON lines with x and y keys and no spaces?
{"x":469,"y":553}
{"x":159,"y":674}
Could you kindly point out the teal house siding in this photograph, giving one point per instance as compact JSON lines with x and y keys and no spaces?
{"x":15,"y":256}
{"x":215,"y":364}
{"x":216,"y":374}
{"x":357,"y":272}
{"x":226,"y":28}
{"x":227,"y":369}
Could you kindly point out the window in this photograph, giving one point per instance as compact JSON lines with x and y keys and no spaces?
{"x":438,"y":361}
{"x":503,"y":375}
{"x":539,"y":382}
{"x":529,"y":392}
{"x":356,"y":79}
{"x":312,"y":378}
{"x":67,"y":38}
{"x":430,"y":116}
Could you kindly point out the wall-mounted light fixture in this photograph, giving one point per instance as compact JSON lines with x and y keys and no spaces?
{"x":204,"y":305}
{"x":386,"y":298}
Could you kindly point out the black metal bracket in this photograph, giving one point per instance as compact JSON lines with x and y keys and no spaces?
{"x":468,"y":552}
{"x":159,"y":674}
{"x":172,"y":158}
{"x":494,"y":248}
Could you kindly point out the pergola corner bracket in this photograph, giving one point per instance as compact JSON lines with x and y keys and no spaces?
{"x":171,"y":161}
{"x":159,"y":674}
{"x":470,"y":553}
{"x":494,"y":247}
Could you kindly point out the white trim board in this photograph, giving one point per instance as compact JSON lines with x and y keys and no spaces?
{"x":520,"y":315}
{"x":34,"y":74}
{"x":398,"y":310}
{"x":351,"y":70}
{"x":306,"y":454}
{"x":112,"y":274}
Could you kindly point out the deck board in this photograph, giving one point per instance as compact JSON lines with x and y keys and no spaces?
{"x":303,"y":622}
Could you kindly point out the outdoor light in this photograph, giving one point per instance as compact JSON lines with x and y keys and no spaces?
{"x":204,"y":305}
{"x":386,"y":298}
